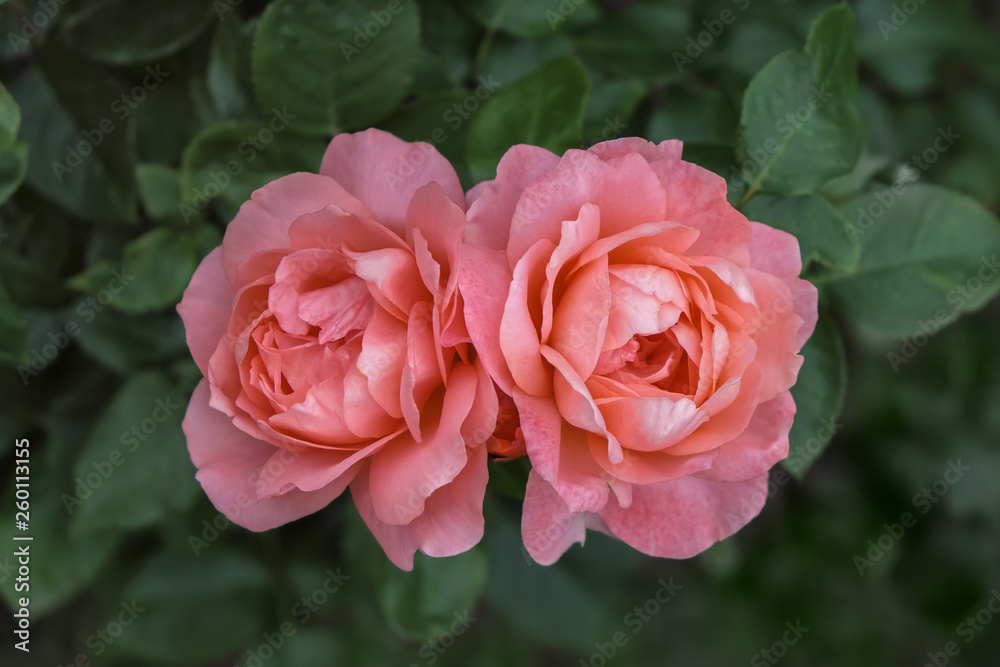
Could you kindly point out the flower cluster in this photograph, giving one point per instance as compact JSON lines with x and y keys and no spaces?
{"x":606,"y":313}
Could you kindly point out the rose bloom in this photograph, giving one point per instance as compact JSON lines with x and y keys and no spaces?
{"x":329,"y":329}
{"x":648,"y":334}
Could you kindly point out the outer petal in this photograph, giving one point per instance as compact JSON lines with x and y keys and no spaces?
{"x":492,"y":204}
{"x":548,"y":528}
{"x":760,"y":446}
{"x":669,"y":150}
{"x":697,"y":198}
{"x":560,"y":454}
{"x":384,"y":172}
{"x":229,"y":462}
{"x":451,"y":523}
{"x":206,"y":308}
{"x":626,"y":190}
{"x":406,"y":472}
{"x":683,"y":517}
{"x":484,"y":282}
{"x":263,"y":222}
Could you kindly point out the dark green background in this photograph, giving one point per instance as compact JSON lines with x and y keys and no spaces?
{"x":144,"y":201}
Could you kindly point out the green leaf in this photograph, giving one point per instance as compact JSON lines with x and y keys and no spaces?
{"x":531,"y":18}
{"x":819,"y":227}
{"x":160,"y":192}
{"x":228,"y":161}
{"x":82,"y":142}
{"x":123,"y":32}
{"x":155,"y":269}
{"x":13,"y":331}
{"x":344,"y":62}
{"x":855,"y":183}
{"x":134,"y":468}
{"x":819,"y":397}
{"x":10,"y":119}
{"x":423,"y":603}
{"x":801,"y":122}
{"x":13,"y":169}
{"x":638,"y":41}
{"x":166,"y":122}
{"x":228,"y":591}
{"x":544,"y":109}
{"x":229,"y":78}
{"x":927,"y":256}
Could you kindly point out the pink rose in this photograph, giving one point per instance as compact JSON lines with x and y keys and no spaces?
{"x":648,"y":334}
{"x":329,"y":329}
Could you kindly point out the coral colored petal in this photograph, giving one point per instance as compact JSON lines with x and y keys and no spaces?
{"x":683,"y":517}
{"x":560,"y":453}
{"x":262,"y":223}
{"x":548,"y":528}
{"x":491,"y":206}
{"x":384,"y":172}
{"x":406,"y":472}
{"x":760,"y":446}
{"x":229,"y":462}
{"x":483,"y":282}
{"x":451,"y":523}
{"x":206,"y":308}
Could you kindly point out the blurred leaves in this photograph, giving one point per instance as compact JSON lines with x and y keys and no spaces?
{"x":155,"y":270}
{"x":341,"y":64}
{"x":439,"y":593}
{"x":225,"y":163}
{"x":133,"y":469}
{"x":215,"y":601}
{"x":121,"y":32}
{"x":544,"y":109}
